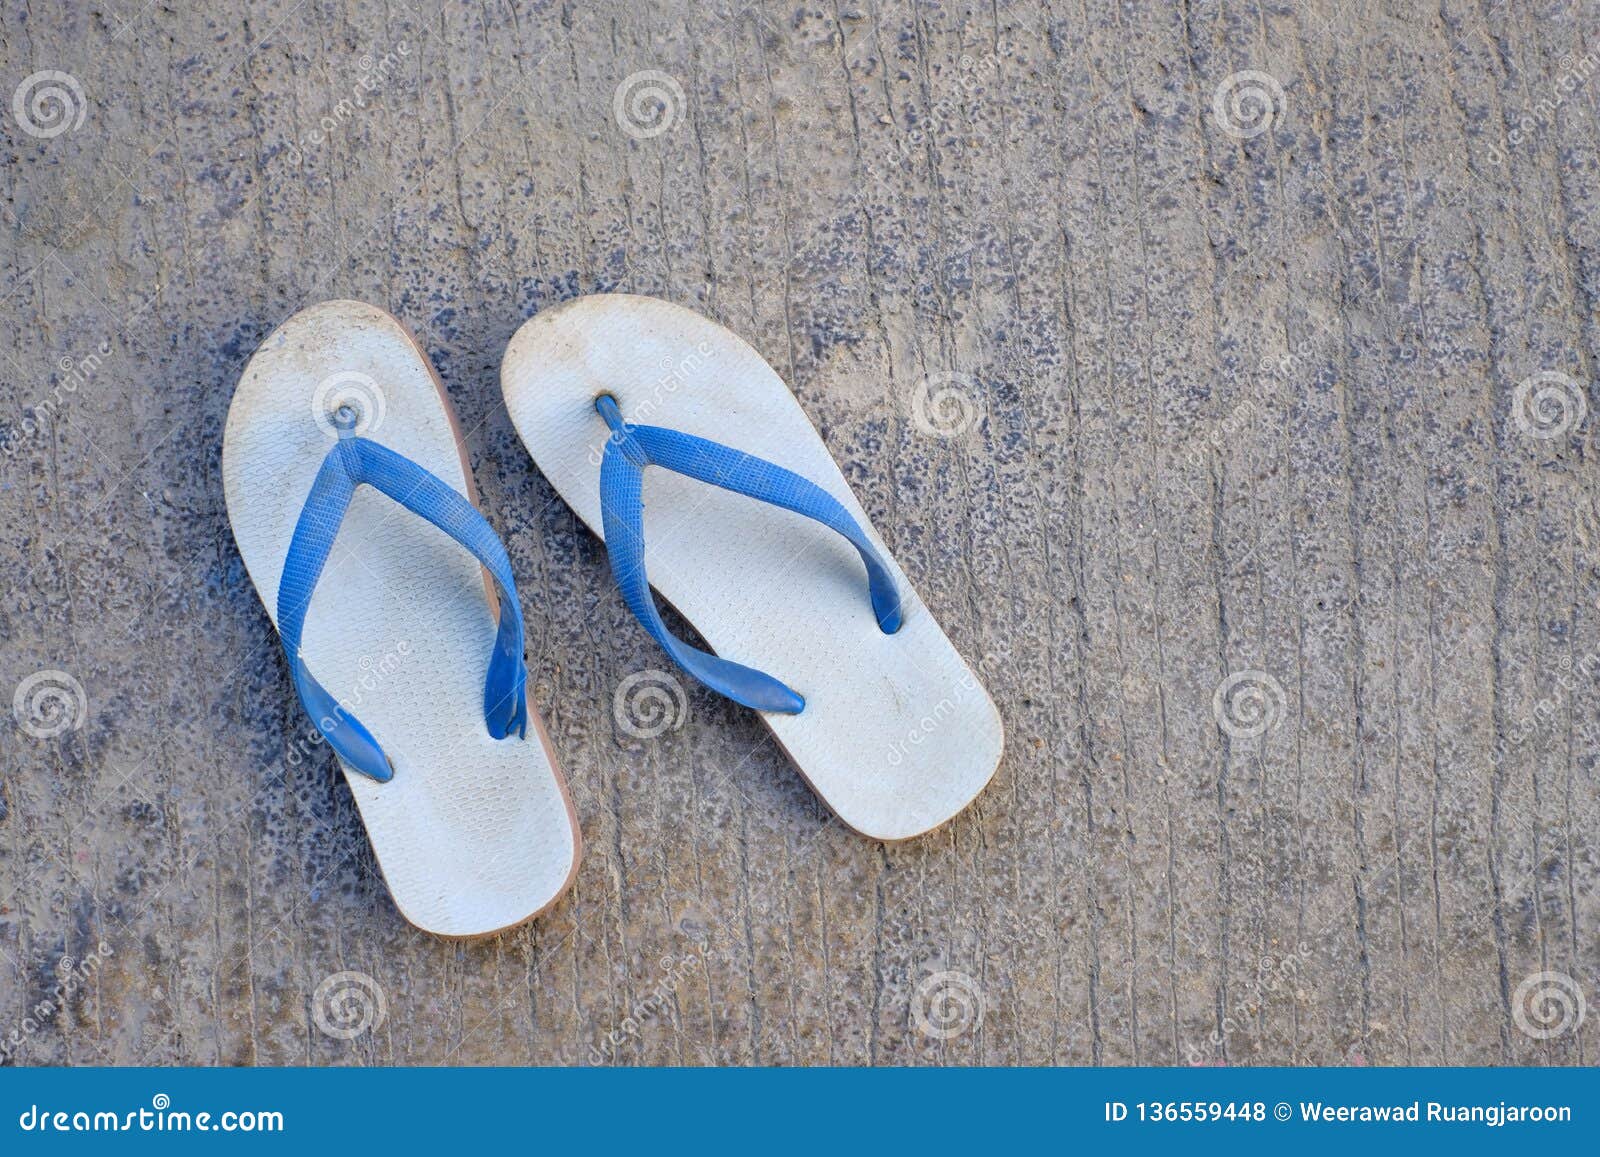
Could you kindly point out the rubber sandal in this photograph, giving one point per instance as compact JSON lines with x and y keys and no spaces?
{"x":404,"y":644}
{"x":811,"y":621}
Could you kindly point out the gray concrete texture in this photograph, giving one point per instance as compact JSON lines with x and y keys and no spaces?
{"x":1223,"y":371}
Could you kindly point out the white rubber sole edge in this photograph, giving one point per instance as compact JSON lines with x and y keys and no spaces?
{"x":898,"y":734}
{"x":473,"y":835}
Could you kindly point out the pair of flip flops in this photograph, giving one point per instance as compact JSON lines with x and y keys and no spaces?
{"x":343,"y":463}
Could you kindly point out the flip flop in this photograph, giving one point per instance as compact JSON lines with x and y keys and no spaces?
{"x":811,"y":621}
{"x":340,"y":449}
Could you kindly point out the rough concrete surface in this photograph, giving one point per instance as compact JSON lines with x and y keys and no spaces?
{"x":1220,"y":371}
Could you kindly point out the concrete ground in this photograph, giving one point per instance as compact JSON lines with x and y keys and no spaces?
{"x":1220,"y":372}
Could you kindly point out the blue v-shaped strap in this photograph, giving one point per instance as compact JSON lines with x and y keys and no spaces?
{"x":351,"y":462}
{"x":628,"y":451}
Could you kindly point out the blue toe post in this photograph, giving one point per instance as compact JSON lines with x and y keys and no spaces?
{"x":628,"y":451}
{"x":352,"y":462}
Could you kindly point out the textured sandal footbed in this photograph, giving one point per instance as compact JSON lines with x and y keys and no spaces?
{"x":898,"y":733}
{"x":473,"y":835}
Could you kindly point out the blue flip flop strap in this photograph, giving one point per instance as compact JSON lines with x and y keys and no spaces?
{"x":351,"y":462}
{"x":628,"y":451}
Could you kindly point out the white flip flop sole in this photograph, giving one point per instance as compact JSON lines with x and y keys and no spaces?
{"x":898,"y":734}
{"x":473,"y":835}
